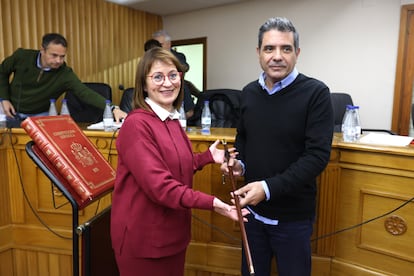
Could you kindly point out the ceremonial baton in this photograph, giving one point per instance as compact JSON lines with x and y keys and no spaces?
{"x":238,"y":208}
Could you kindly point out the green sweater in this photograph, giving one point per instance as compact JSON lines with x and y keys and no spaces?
{"x":30,"y":96}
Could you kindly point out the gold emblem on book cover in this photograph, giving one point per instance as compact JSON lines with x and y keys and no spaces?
{"x":82,"y":155}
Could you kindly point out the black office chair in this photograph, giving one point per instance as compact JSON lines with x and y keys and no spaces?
{"x":339,"y":102}
{"x":126,"y":100}
{"x":412,"y":114}
{"x":224,"y":106}
{"x":85,"y":113}
{"x":223,"y":112}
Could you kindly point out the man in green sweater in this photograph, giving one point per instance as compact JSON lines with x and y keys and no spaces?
{"x":41,"y":75}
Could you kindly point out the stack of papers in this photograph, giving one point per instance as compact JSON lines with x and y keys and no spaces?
{"x":100,"y":126}
{"x":386,"y":139}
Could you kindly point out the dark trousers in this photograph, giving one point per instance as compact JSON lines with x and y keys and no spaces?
{"x":289,"y":242}
{"x":165,"y":266}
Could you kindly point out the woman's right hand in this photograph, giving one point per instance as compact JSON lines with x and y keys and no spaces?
{"x":229,"y":211}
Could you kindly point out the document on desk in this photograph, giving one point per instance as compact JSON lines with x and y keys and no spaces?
{"x":100,"y":126}
{"x":386,"y":139}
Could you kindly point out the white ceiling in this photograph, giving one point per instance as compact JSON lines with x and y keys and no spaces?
{"x":168,"y":7}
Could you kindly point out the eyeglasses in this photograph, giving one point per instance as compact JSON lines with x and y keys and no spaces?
{"x":158,"y":78}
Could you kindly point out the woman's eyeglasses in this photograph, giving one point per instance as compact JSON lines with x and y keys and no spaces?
{"x":158,"y":78}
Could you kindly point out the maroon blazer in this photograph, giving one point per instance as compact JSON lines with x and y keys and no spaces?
{"x":153,"y":195}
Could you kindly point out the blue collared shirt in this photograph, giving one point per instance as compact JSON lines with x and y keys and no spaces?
{"x":280,"y":84}
{"x":39,"y":64}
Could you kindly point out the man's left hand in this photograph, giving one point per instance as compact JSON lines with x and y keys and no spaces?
{"x":119,"y":115}
{"x":250,"y":194}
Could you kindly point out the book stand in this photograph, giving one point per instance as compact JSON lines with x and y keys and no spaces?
{"x":46,"y":167}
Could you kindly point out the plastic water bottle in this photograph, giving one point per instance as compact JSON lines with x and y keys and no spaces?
{"x":108,"y":117}
{"x":206,"y":119}
{"x":182,"y":118}
{"x":52,"y":108}
{"x":64,"y":110}
{"x":3,"y":123}
{"x":358,"y":122}
{"x":351,"y":125}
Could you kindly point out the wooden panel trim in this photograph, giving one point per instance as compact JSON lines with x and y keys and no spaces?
{"x":403,"y":78}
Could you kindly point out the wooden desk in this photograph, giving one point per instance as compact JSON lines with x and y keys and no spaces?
{"x":359,"y":183}
{"x":373,"y":180}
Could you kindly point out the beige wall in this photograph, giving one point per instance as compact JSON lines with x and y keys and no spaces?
{"x":350,"y":45}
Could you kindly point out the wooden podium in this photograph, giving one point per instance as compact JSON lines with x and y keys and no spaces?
{"x":98,"y":225}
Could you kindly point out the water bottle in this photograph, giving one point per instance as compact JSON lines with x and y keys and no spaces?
{"x":182,"y":118}
{"x":108,"y":118}
{"x":206,"y":119}
{"x":3,"y":123}
{"x":358,"y":123}
{"x":351,"y":125}
{"x":64,"y":110}
{"x":52,"y":108}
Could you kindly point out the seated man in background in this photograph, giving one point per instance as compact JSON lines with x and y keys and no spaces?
{"x":41,"y":75}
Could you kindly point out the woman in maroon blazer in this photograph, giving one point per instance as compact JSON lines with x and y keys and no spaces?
{"x":153,"y":195}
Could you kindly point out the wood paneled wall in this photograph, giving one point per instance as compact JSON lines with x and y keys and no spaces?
{"x":105,"y":39}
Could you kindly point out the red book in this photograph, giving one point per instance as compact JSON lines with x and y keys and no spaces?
{"x":80,"y":202}
{"x":73,"y":155}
